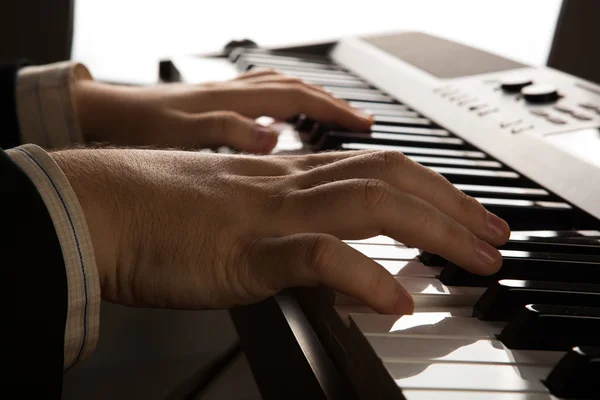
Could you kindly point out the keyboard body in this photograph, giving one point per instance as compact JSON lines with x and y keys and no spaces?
{"x":531,"y":157}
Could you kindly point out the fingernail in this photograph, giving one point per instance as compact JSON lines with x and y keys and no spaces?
{"x":487,"y":255}
{"x":404,"y":302}
{"x":365,"y":114}
{"x":497,"y":226}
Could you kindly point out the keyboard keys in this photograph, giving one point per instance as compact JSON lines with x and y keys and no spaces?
{"x":334,"y":139}
{"x":465,"y":376}
{"x":486,"y":351}
{"x":503,"y":298}
{"x":426,"y":325}
{"x":556,"y":267}
{"x":425,"y":394}
{"x":409,"y":130}
{"x":576,"y":375}
{"x":426,"y":150}
{"x":385,"y":119}
{"x":548,"y":327}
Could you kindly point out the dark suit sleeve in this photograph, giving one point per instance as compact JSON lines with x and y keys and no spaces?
{"x":9,"y":124}
{"x":33,"y":289}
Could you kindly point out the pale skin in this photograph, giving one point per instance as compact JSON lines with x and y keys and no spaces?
{"x":189,"y":230}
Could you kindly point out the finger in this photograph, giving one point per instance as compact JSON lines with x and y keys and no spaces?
{"x":362,"y":208}
{"x":282,"y":101}
{"x":256,"y":73}
{"x":226,"y":128}
{"x":402,"y":173}
{"x":312,"y":259}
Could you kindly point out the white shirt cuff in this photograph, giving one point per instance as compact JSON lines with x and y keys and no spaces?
{"x":45,"y":108}
{"x":83,"y":314}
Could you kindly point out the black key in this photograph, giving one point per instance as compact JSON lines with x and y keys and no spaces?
{"x":334,"y":139}
{"x":506,"y":192}
{"x":573,"y":233}
{"x":576,"y":375}
{"x":556,"y":245}
{"x":480,"y":176}
{"x":550,"y":327}
{"x":425,"y":150}
{"x":503,"y":298}
{"x":526,"y":214}
{"x":554,"y":267}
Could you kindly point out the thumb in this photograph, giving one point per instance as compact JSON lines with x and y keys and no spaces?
{"x":227,"y":128}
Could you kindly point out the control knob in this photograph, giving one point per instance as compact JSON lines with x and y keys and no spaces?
{"x":514,"y":84}
{"x":540,"y":93}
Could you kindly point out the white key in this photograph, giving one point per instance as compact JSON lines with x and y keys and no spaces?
{"x":457,"y":376}
{"x":410,"y":268}
{"x":417,"y":394}
{"x":429,"y":292}
{"x":426,"y":324}
{"x":399,"y":252}
{"x":382,"y":240}
{"x":396,"y":348}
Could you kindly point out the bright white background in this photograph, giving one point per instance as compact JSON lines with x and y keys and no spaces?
{"x":125,"y":38}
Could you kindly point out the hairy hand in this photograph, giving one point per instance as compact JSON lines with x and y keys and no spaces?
{"x":208,"y":115}
{"x":196,"y":230}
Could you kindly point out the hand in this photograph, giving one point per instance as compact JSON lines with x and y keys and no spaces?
{"x":209,"y":115}
{"x":193,"y":230}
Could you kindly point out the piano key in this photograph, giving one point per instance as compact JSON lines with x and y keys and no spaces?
{"x":344,"y":83}
{"x":548,"y":327}
{"x":357,"y":96}
{"x":392,"y":120}
{"x":576,"y":375}
{"x":398,"y":252}
{"x":556,"y":245}
{"x":393,"y":114}
{"x":380,"y":239}
{"x":270,"y":54}
{"x":559,"y":234}
{"x":499,"y":192}
{"x":332,"y":76}
{"x":480,"y":176}
{"x":427,"y":394}
{"x":526,"y":214}
{"x":463,"y":376}
{"x":486,"y":351}
{"x":554,"y":267}
{"x":461,"y":162}
{"x":379,"y":107}
{"x":428,"y":292}
{"x":415,"y":150}
{"x":425,"y":325}
{"x":333,"y":139}
{"x":246,"y":62}
{"x":503,"y":298}
{"x":413,"y":269}
{"x":410,"y":130}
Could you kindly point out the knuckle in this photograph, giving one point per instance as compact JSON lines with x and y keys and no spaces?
{"x":323,"y":252}
{"x":376,"y":194}
{"x":225,"y":121}
{"x":392,"y":162}
{"x":466,"y":204}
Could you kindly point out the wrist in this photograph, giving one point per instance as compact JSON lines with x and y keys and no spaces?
{"x":86,"y":177}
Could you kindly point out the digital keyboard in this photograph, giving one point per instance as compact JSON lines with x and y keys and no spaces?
{"x":523,"y":141}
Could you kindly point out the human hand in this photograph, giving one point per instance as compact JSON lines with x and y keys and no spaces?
{"x":208,"y":115}
{"x":192,"y":230}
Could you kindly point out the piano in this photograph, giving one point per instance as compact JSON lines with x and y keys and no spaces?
{"x":524,"y":141}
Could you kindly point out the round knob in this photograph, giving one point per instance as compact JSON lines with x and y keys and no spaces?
{"x":541,"y":93}
{"x":514,"y":84}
